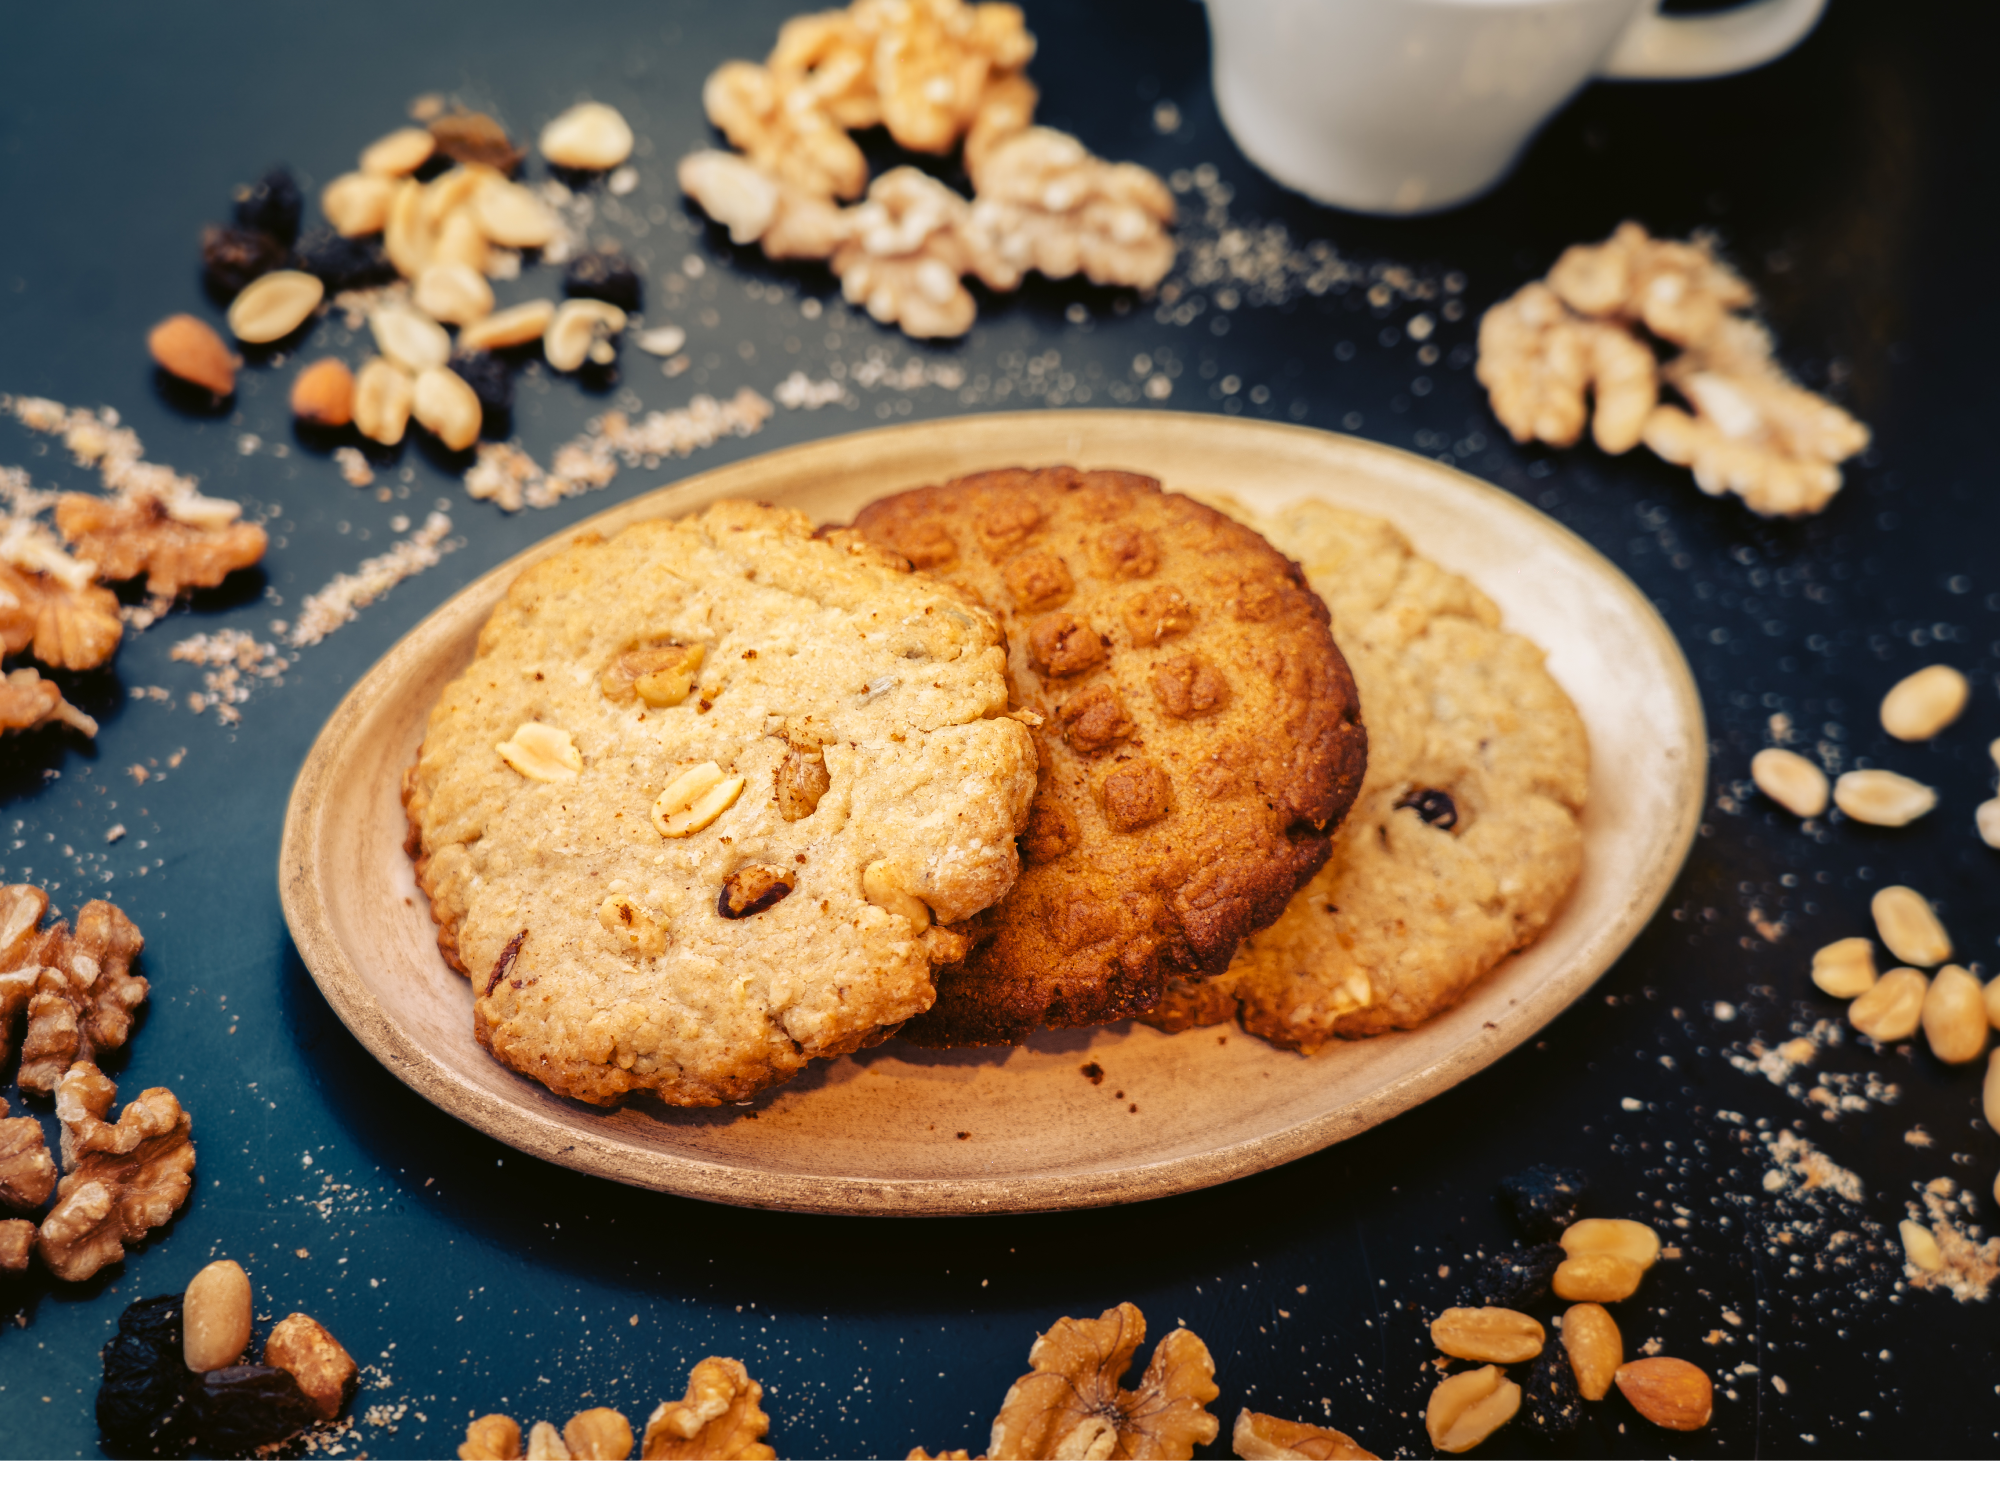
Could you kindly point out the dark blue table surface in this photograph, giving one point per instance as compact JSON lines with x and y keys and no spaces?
{"x":1853,"y":182}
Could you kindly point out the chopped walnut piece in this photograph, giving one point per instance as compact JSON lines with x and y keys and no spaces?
{"x":120,"y":1181}
{"x":787,"y":222}
{"x":1258,"y":1437}
{"x":905,"y":255}
{"x":76,"y":989}
{"x":1046,"y":204}
{"x":1679,"y":289}
{"x":719,"y":1418}
{"x":933,"y":60}
{"x":1072,"y":1406}
{"x":494,"y":1439}
{"x":27,"y":1170}
{"x":17,"y":1240}
{"x":75,"y":627}
{"x":28,"y":701}
{"x":1006,"y":108}
{"x":325,"y":1371}
{"x":781,"y":123}
{"x":1538,"y":360}
{"x":943,"y":1455}
{"x":832,"y":57}
{"x":143,"y":535}
{"x":599,"y":1435}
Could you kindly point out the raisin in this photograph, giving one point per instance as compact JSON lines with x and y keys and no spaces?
{"x":490,"y":376}
{"x":242,"y":1407}
{"x":1517,"y":1278}
{"x":232,"y":258}
{"x":340,"y":262}
{"x":1433,"y":806}
{"x":1543,"y":1200}
{"x":271,"y":205}
{"x":145,"y":1375}
{"x":1554,"y":1405}
{"x":608,"y":278}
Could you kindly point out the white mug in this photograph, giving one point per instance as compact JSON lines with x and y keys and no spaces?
{"x":1406,"y":106}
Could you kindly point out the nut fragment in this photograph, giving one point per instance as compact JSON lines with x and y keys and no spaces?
{"x":1882,"y":798}
{"x":1790,"y":780}
{"x":1072,"y":1405}
{"x":1597,"y":1278}
{"x":1920,"y":1246}
{"x":719,"y":1418}
{"x":215,"y":1316}
{"x":453,"y":293}
{"x":324,"y":393}
{"x":1595,"y":1348}
{"x":599,"y":1435}
{"x":177,"y":547}
{"x":1989,"y":1099}
{"x":408,"y":338}
{"x":274,"y":305}
{"x":576,"y":326}
{"x":1890,"y":1008}
{"x":1986,"y":818}
{"x":443,"y":403}
{"x":658,"y":676}
{"x":542,"y":752}
{"x":27,"y":701}
{"x":1909,"y":928}
{"x":627,"y":921}
{"x":398,"y":153}
{"x":1668,"y":1392}
{"x":511,"y":326}
{"x":27,"y":1170}
{"x":325,"y":1371}
{"x":885,"y":885}
{"x":1954,"y":1015}
{"x":1626,"y":1238}
{"x":382,"y":398}
{"x":188,"y":349}
{"x":1493,"y":1335}
{"x":694,"y":799}
{"x":587,"y":138}
{"x":1845,"y":968}
{"x":1467,"y":1409}
{"x":494,"y":1439}
{"x":17,"y":1242}
{"x":508,"y":214}
{"x":72,"y":626}
{"x":752,"y":889}
{"x":121,"y":1180}
{"x":357,"y":203}
{"x":1257,"y":1437}
{"x":1925,"y":702}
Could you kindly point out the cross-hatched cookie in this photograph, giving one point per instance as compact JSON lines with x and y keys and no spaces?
{"x":700,"y":808}
{"x":1465,"y":839}
{"x":1199,"y":740}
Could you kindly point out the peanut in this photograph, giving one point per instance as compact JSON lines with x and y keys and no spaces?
{"x":382,"y":396}
{"x":1845,"y":968}
{"x":587,"y":138}
{"x":577,"y":326}
{"x":274,"y":305}
{"x":542,"y":752}
{"x":1925,"y":702}
{"x":885,"y":885}
{"x":215,"y":1317}
{"x":508,"y":214}
{"x":398,"y":153}
{"x":1989,"y":1098}
{"x":1595,"y":1348}
{"x":1790,"y":780}
{"x":1920,"y":1246}
{"x":1627,"y":1239}
{"x":324,"y":394}
{"x":521,"y":324}
{"x":1597,"y":1278}
{"x":1890,"y":1008}
{"x":408,"y":339}
{"x":453,"y":293}
{"x":1909,"y":928}
{"x":1467,"y":1409}
{"x":461,"y":242}
{"x":694,"y":799}
{"x":448,"y":407}
{"x":1993,"y":1009}
{"x":1954,"y":1015}
{"x":1882,"y":798}
{"x":1986,"y":818}
{"x":188,"y":349}
{"x":1668,"y":1392}
{"x":357,"y":203}
{"x":405,"y":240}
{"x":1497,"y":1335}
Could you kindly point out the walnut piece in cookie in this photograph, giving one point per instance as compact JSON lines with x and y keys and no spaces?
{"x":719,"y":1418}
{"x":73,"y":626}
{"x":177,"y":547}
{"x":1073,"y":1405}
{"x":28,"y":701}
{"x":121,"y":1180}
{"x":1260,"y":1438}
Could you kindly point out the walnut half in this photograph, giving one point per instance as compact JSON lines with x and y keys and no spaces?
{"x":142,"y":535}
{"x":121,"y":1180}
{"x":719,"y":1418}
{"x":1073,"y":1407}
{"x":72,"y":626}
{"x":76,"y":989}
{"x":27,"y":1170}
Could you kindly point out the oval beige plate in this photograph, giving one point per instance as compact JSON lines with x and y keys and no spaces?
{"x":900,"y":1130}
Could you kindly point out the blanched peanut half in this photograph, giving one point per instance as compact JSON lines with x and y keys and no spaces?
{"x":452,"y":293}
{"x":1790,"y":780}
{"x":274,"y":305}
{"x":448,"y":407}
{"x":1920,"y":1246}
{"x":357,"y":203}
{"x":886,"y":886}
{"x":542,"y":752}
{"x":1467,"y":1409}
{"x":1882,"y":798}
{"x":215,"y":1317}
{"x":1597,"y":1278}
{"x":1668,"y":1392}
{"x":1498,"y":1335}
{"x":409,"y":339}
{"x":1954,"y":1015}
{"x":577,"y":325}
{"x":1990,"y":1099}
{"x":460,"y":242}
{"x":508,"y":214}
{"x":405,"y":240}
{"x":1891,"y":1008}
{"x":1993,"y":1008}
{"x":1909,"y":928}
{"x":694,"y":799}
{"x":521,"y":324}
{"x":1595,"y":1348}
{"x":587,"y":138}
{"x":1626,"y":1238}
{"x":1845,"y":968}
{"x":382,"y":397}
{"x":1986,"y":818}
{"x":1923,"y":703}
{"x":399,"y":153}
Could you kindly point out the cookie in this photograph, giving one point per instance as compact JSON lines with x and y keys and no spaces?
{"x":702,"y":806}
{"x":1465,"y":839}
{"x":1199,"y":737}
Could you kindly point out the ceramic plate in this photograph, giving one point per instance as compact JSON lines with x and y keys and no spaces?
{"x":901,"y":1130}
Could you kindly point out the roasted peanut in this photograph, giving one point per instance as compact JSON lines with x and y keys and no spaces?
{"x":587,"y":138}
{"x":1909,"y":928}
{"x":1925,"y":702}
{"x":409,"y":339}
{"x":274,"y":305}
{"x":357,"y":203}
{"x":1668,"y":1392}
{"x":399,"y":153}
{"x":1920,"y":1246}
{"x":1990,"y":1099}
{"x":1954,"y":1015}
{"x":1467,"y":1409}
{"x":1986,"y":818}
{"x":1845,"y":968}
{"x":1890,"y":1008}
{"x":1790,"y":780}
{"x":1497,"y":1335}
{"x":576,"y":328}
{"x":694,"y":799}
{"x":215,"y":1317}
{"x":446,"y":406}
{"x":1595,"y":1348}
{"x":542,"y":752}
{"x":1627,"y":1239}
{"x":1882,"y":798}
{"x":521,"y":324}
{"x":453,"y":293}
{"x":382,"y":397}
{"x":1597,"y":1278}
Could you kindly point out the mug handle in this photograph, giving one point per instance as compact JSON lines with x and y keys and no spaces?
{"x":1657,"y":46}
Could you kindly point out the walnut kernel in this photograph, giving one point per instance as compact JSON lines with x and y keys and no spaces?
{"x":72,"y":626}
{"x":325,"y":1371}
{"x":718,"y":1418}
{"x":141,"y":534}
{"x":1072,"y":1405}
{"x":494,"y":1439}
{"x":599,"y":1435}
{"x":120,"y":1180}
{"x":27,"y":1170}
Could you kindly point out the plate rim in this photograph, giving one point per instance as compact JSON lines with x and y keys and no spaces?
{"x":340,"y":982}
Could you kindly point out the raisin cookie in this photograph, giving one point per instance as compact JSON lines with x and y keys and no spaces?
{"x":701,"y":805}
{"x":1465,"y":839}
{"x":1199,"y":737}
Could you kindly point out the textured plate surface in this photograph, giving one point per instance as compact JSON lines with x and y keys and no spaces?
{"x":900,"y":1130}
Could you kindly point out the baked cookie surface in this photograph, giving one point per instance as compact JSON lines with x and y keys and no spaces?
{"x":1465,"y":839}
{"x":1200,"y":737}
{"x":696,"y":812}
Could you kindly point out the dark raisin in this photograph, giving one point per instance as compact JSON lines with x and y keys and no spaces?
{"x":608,"y":278}
{"x":469,"y":137}
{"x":232,"y":258}
{"x":1517,"y":1278}
{"x":340,"y":262}
{"x":272,"y":205}
{"x":1543,"y":1200}
{"x":490,"y":376}
{"x":145,"y":1375}
{"x":247,"y":1406}
{"x":1433,"y":806}
{"x":1554,"y":1404}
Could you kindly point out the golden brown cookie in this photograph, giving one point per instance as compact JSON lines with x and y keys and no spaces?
{"x":1200,"y":737}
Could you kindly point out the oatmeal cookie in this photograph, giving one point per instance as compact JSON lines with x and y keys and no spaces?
{"x":707,"y":800}
{"x":1465,"y":839}
{"x":1199,"y":737}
